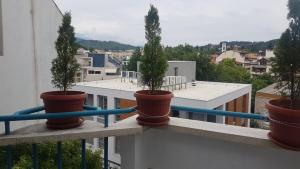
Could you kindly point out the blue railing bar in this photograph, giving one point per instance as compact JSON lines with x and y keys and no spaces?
{"x":9,"y":157}
{"x":106,"y":143}
{"x":8,"y":153}
{"x":83,"y":154}
{"x":221,"y":113}
{"x":65,"y":114}
{"x":34,"y":156}
{"x":87,"y":107}
{"x":59,"y":155}
{"x":29,"y":111}
{"x":41,"y":108}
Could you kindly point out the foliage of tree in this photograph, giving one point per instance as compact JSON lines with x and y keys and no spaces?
{"x":71,"y":154}
{"x":259,"y":82}
{"x":65,"y":66}
{"x":286,"y":64}
{"x":254,"y":123}
{"x":153,"y":63}
{"x":228,"y":71}
{"x":132,"y":64}
{"x":204,"y":69}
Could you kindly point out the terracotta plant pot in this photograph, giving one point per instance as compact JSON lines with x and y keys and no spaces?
{"x":284,"y":124}
{"x":58,"y":101}
{"x":153,"y":110}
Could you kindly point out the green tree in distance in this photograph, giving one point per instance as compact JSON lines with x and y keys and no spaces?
{"x":153,"y":62}
{"x":228,"y":71}
{"x":132,"y":64}
{"x":65,"y":66}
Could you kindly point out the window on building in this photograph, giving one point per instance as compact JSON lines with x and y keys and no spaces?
{"x":117,"y":145}
{"x":98,"y":72}
{"x":175,"y":113}
{"x":91,"y":72}
{"x":102,"y":102}
{"x":1,"y":30}
{"x":190,"y":115}
{"x":175,"y":71}
{"x":90,"y":100}
{"x":212,"y":118}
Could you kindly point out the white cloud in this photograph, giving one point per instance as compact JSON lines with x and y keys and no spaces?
{"x":196,"y":22}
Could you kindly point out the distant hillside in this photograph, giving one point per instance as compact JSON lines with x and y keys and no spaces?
{"x":104,"y":45}
{"x":254,"y":46}
{"x":243,"y":45}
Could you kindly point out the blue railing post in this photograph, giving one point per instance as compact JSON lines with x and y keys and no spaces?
{"x":106,"y":143}
{"x":83,"y":154}
{"x":34,"y":156}
{"x":8,"y":148}
{"x":59,"y":155}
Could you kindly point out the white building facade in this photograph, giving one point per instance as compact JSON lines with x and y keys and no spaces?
{"x":29,"y":31}
{"x":111,"y":94}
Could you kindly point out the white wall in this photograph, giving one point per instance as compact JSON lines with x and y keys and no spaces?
{"x":230,"y":55}
{"x":29,"y":33}
{"x":165,"y":149}
{"x":184,"y":68}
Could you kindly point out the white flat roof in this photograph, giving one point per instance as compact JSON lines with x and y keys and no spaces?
{"x":204,"y":91}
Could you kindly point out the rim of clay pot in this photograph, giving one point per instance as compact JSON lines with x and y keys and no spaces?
{"x":60,"y":95}
{"x":273,"y":105}
{"x":163,"y":94}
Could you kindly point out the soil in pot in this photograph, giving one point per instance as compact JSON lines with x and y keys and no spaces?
{"x":284,"y":124}
{"x":59,"y":101}
{"x":153,"y":109}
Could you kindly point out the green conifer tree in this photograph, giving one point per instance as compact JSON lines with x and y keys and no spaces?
{"x":65,"y":66}
{"x":153,"y":62}
{"x":286,"y":64}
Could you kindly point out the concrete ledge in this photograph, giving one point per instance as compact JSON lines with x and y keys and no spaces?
{"x":38,"y":133}
{"x":257,"y":137}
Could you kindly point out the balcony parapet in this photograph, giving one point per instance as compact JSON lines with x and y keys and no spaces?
{"x":38,"y":133}
{"x":245,"y":135}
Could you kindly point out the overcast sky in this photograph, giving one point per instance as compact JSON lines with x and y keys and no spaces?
{"x":196,"y":22}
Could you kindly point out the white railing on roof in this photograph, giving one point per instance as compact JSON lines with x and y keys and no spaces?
{"x":170,"y":82}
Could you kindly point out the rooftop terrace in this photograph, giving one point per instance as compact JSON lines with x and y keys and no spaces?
{"x":204,"y":91}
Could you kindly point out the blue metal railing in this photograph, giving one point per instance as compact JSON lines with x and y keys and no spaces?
{"x":221,"y":113}
{"x":28,"y":114}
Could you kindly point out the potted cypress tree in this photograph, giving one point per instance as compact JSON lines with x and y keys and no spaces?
{"x":153,"y":104}
{"x":284,"y":114}
{"x":64,"y":68}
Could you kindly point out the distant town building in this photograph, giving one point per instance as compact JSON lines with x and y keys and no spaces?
{"x":224,"y":49}
{"x":256,"y":63}
{"x":231,"y":54}
{"x":97,"y":66}
{"x":180,"y":68}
